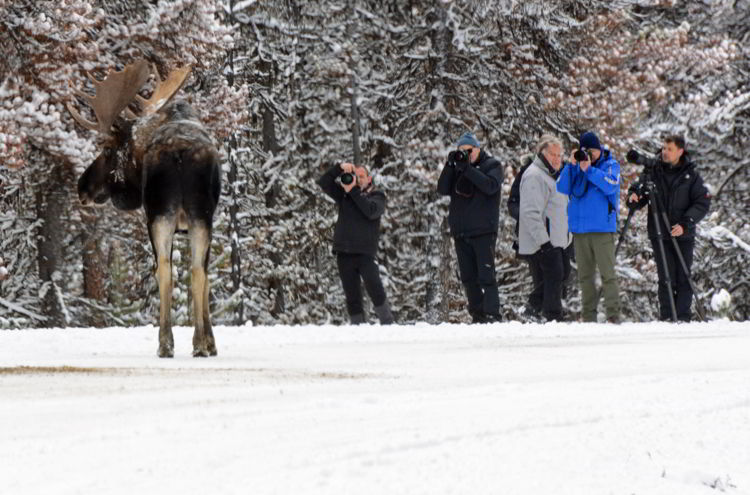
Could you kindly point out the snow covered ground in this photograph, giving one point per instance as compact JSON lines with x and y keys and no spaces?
{"x":456,"y":409}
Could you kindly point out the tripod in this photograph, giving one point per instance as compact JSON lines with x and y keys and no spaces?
{"x":660,"y":219}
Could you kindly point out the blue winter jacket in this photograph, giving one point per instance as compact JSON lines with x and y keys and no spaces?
{"x":594,"y":195}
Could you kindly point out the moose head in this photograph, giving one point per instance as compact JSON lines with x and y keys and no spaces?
{"x":115,"y":174}
{"x":158,"y":155}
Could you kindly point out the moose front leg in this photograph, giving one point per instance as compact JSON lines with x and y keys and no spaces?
{"x":162,"y":233}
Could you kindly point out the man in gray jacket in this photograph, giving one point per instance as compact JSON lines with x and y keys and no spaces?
{"x":543,"y":228}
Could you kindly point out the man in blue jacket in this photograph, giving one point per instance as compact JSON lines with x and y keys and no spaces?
{"x":593,"y":187}
{"x":473,"y":179}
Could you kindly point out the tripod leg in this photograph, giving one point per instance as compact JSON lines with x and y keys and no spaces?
{"x":667,"y":277}
{"x":698,"y":307}
{"x":655,"y":208}
{"x":624,"y":230}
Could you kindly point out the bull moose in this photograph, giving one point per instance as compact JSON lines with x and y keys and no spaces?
{"x":157,"y":154}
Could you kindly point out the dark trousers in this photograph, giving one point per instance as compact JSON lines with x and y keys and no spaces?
{"x":547,"y":274}
{"x":681,"y":290}
{"x":476,"y":267}
{"x":352,"y":269}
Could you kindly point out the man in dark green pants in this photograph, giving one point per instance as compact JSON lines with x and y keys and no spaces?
{"x":593,"y":186}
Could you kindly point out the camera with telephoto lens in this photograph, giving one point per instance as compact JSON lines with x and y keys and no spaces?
{"x":458,"y":156}
{"x":634,"y":157}
{"x":581,"y":156}
{"x":346,"y":178}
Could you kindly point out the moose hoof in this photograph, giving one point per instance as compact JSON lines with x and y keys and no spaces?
{"x":165,"y":351}
{"x":200,"y":352}
{"x":212,"y":350}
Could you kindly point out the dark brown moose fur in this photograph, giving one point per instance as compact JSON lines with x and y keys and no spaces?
{"x":166,"y":162}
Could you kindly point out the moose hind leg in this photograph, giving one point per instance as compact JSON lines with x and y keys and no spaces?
{"x":161,"y":232}
{"x":207,"y":314}
{"x":200,"y":242}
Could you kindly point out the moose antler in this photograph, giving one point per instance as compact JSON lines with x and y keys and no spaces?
{"x":119,"y":89}
{"x":164,"y":90}
{"x":113,"y":95}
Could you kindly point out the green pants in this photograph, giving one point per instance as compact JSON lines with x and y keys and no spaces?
{"x":597,"y":250}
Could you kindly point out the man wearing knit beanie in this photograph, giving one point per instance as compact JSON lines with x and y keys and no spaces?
{"x":592,"y":183}
{"x":473,"y":180}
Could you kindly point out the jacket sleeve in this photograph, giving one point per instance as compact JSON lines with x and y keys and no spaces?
{"x":371,"y":205}
{"x":445,"y":181}
{"x":488,"y":183}
{"x":700,"y":202}
{"x":327,"y":182}
{"x":565,"y":181}
{"x":534,"y":198}
{"x":607,"y":180}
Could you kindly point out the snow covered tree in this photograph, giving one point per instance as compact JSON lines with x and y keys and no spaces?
{"x":46,"y":48}
{"x":389,"y":83}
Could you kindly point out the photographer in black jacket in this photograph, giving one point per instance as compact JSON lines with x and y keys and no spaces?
{"x":685,"y":200}
{"x":355,"y":238}
{"x":473,"y":178}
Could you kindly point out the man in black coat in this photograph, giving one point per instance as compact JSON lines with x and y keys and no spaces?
{"x":473,"y":179}
{"x":686,"y":200}
{"x":355,"y":238}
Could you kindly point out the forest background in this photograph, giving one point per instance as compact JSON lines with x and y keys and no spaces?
{"x":289,"y":87}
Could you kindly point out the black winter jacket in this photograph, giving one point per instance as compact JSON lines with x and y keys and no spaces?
{"x":683,"y":195}
{"x":475,"y":196}
{"x":357,"y":228}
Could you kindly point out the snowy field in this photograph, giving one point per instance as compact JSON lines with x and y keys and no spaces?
{"x":451,"y":409}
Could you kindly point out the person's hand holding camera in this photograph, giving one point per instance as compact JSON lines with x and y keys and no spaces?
{"x":582,"y":158}
{"x":460,"y":159}
{"x":637,"y":193}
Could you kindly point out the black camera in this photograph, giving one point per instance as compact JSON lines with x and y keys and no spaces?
{"x":634,"y":157}
{"x":581,"y":156}
{"x":459,"y":156}
{"x":346,"y":178}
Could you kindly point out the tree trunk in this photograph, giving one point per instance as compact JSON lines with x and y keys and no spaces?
{"x":271,"y":144}
{"x":357,"y":152}
{"x":234,"y":208}
{"x":95,"y":266}
{"x":50,"y":203}
{"x":234,"y":231}
{"x":356,"y":149}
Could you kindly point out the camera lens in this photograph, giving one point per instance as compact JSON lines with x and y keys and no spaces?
{"x":462,"y":156}
{"x":581,"y":155}
{"x":346,"y":178}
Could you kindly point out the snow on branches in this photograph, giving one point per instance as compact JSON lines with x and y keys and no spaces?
{"x":47,"y":47}
{"x":621,"y":74}
{"x":39,"y":47}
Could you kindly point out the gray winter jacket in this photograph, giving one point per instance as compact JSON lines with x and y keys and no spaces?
{"x":543,"y":212}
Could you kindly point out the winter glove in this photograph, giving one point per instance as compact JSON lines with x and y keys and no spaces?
{"x":461,"y":166}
